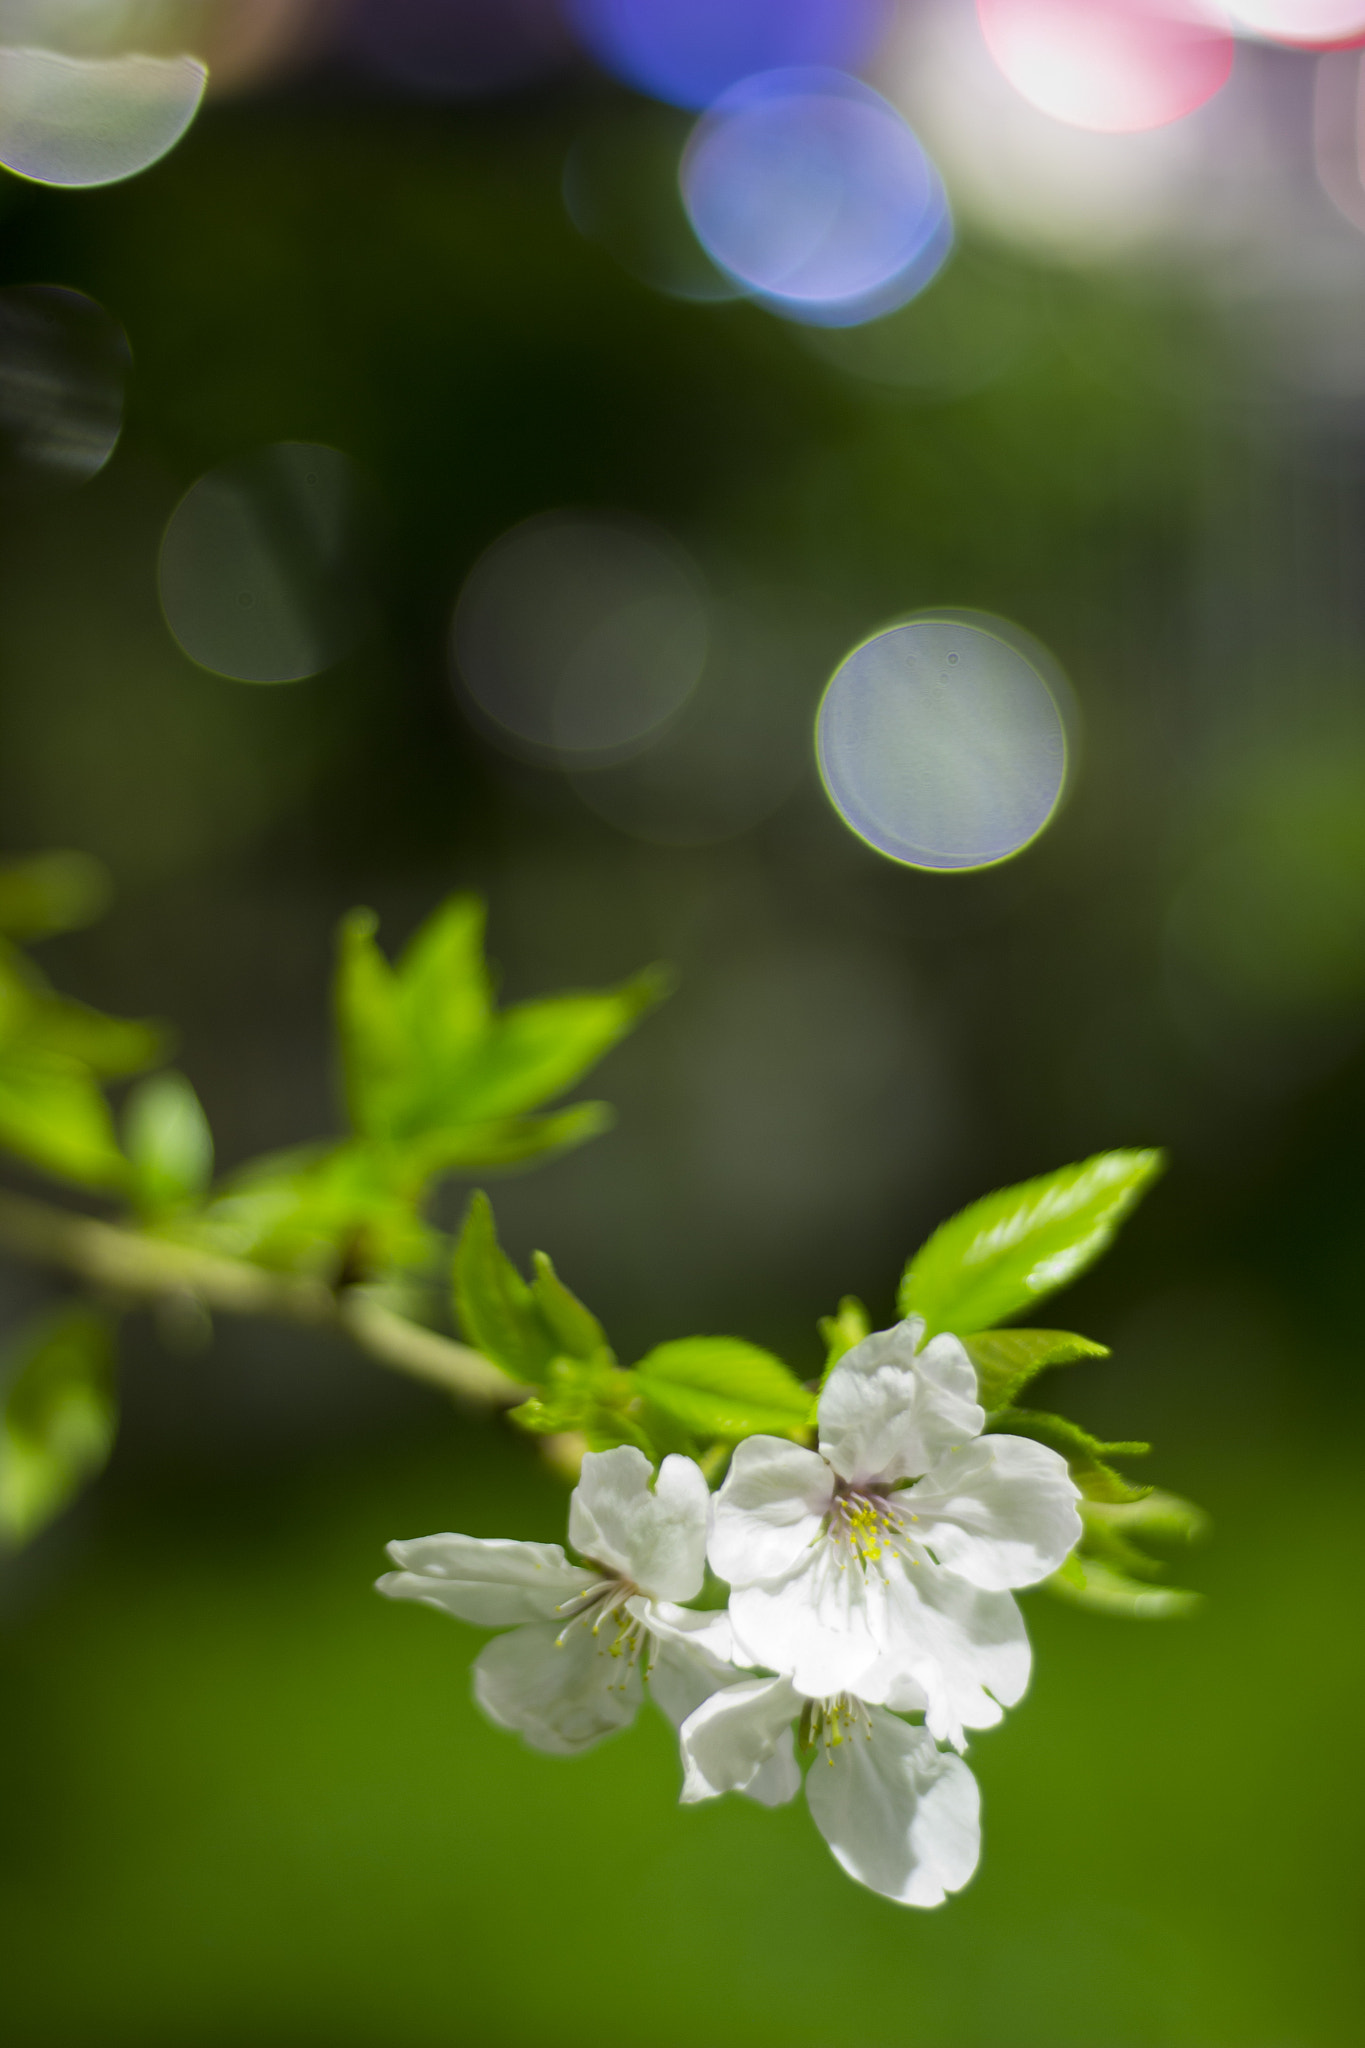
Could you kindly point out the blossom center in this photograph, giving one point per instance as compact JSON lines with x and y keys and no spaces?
{"x":865,"y":1525}
{"x":832,"y":1722}
{"x":602,"y":1609}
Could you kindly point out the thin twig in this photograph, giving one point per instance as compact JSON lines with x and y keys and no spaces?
{"x":142,"y":1267}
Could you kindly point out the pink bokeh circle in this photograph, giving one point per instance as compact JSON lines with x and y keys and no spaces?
{"x":1304,"y":24}
{"x":1114,"y":65}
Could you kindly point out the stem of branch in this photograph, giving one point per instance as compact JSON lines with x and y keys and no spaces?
{"x":141,"y":1267}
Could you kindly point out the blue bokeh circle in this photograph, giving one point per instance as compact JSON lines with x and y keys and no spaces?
{"x":690,"y":51}
{"x":813,"y":192}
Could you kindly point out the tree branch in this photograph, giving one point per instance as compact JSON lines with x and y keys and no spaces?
{"x":145,"y":1268}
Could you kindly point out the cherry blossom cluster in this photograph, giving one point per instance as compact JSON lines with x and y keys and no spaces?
{"x":870,"y":1622}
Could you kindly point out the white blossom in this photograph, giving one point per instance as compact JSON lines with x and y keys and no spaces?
{"x":880,"y":1565}
{"x":901,"y":1816}
{"x":584,"y":1639}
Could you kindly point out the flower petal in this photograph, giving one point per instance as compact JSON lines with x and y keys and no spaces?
{"x":559,"y":1688}
{"x":679,"y":1680}
{"x":656,"y":1537}
{"x":823,"y":1626}
{"x":769,"y":1510}
{"x":691,"y":1656}
{"x":779,"y":1779}
{"x":733,"y":1735}
{"x":964,"y":1652}
{"x":493,"y":1581}
{"x":901,"y":1817}
{"x":888,"y":1412}
{"x":1000,"y":1512}
{"x":707,"y":1631}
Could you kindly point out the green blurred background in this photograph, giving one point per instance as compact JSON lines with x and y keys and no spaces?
{"x":244,"y":1801}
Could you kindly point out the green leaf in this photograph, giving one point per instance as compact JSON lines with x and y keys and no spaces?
{"x":697,"y":1390}
{"x":593,"y":1399}
{"x":722,"y":1387}
{"x":1071,"y":1571}
{"x":376,"y":1048}
{"x":168,"y":1141}
{"x":58,"y":1420}
{"x":1012,"y":1248}
{"x":340,"y":1213}
{"x":716,"y":1417}
{"x":1084,"y":1454}
{"x":1006,"y":1360}
{"x":512,"y":1141}
{"x":109,"y":1046}
{"x":1104,"y":1589}
{"x":1117,"y":1530}
{"x":1158,"y":1517}
{"x":842,"y":1331}
{"x":1110,"y":1572}
{"x":537,"y":1050}
{"x":20,"y":983}
{"x":574,"y":1328}
{"x":33,"y":1019}
{"x":51,"y":892}
{"x":605,"y":1428}
{"x":53,"y":1114}
{"x":431,"y":1068}
{"x":498,"y":1311}
{"x":444,"y":985}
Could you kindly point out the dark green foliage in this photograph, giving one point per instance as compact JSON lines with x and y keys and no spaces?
{"x":51,"y":892}
{"x":58,"y":1418}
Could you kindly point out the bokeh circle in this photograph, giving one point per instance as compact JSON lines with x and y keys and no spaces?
{"x":259,"y":570}
{"x":814,"y":192}
{"x":578,"y":636}
{"x":942,"y":744}
{"x":1304,"y":24}
{"x":1120,"y":66}
{"x":87,"y":121}
{"x":691,"y":51}
{"x":64,"y":366}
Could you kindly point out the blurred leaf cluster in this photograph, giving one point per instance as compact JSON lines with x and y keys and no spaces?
{"x":59,"y":1417}
{"x":56,"y":1055}
{"x":437,"y":1079}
